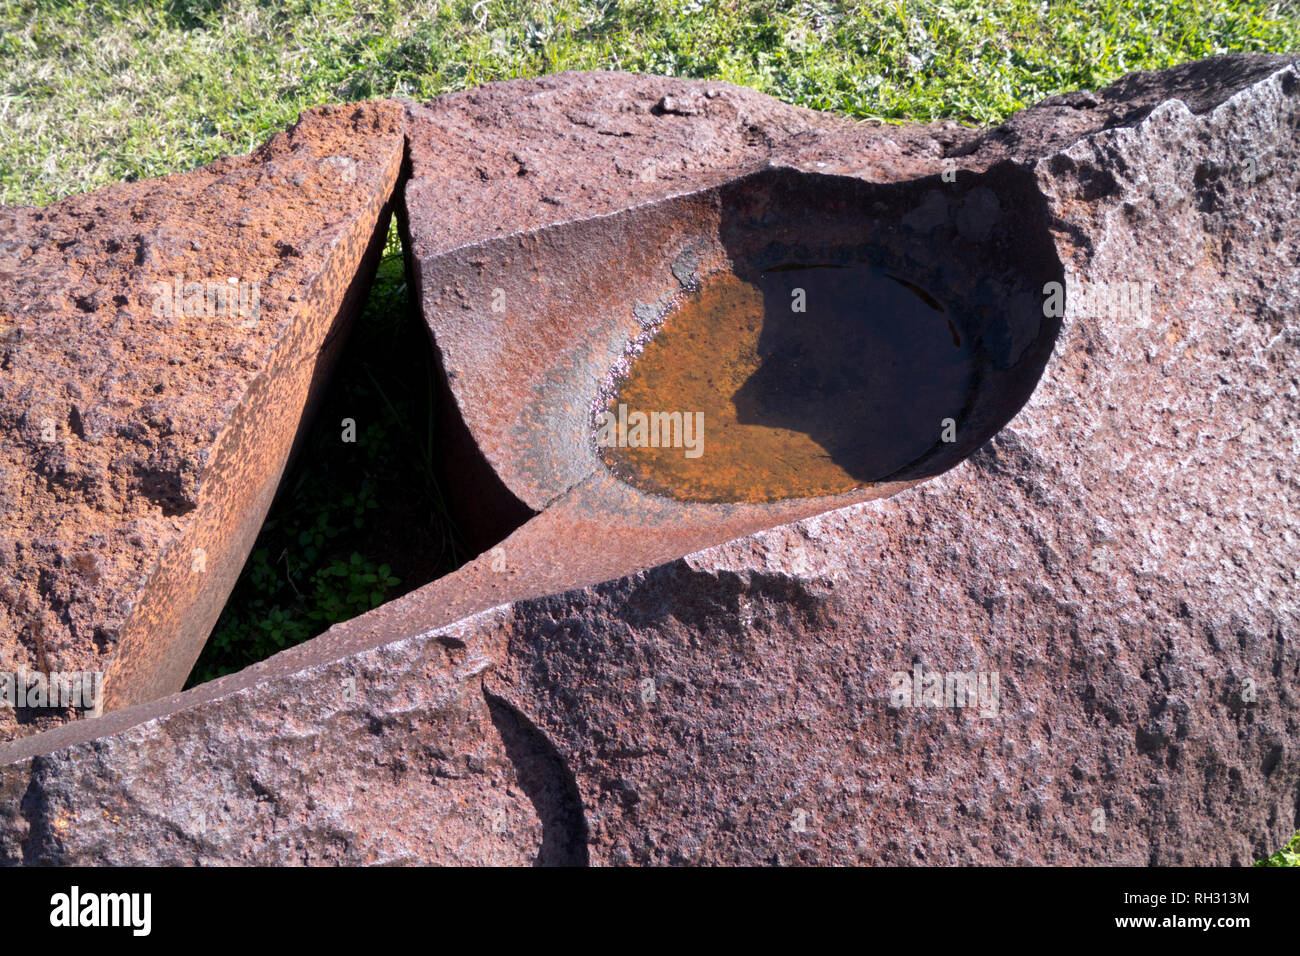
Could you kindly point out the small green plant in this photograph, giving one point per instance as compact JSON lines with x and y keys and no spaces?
{"x":1289,"y":855}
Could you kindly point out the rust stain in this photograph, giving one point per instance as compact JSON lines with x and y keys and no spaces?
{"x":810,"y":379}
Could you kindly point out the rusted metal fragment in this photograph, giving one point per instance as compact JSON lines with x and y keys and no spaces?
{"x":1111,"y":580}
{"x":1120,"y":557}
{"x":161,"y":340}
{"x":529,"y":327}
{"x":390,"y":757}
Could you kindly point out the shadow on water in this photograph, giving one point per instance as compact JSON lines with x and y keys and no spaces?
{"x":890,"y":346}
{"x":868,"y":368}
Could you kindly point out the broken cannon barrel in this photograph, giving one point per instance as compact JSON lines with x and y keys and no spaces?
{"x":768,"y":429}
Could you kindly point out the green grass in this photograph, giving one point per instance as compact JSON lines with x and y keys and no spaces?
{"x":92,"y":92}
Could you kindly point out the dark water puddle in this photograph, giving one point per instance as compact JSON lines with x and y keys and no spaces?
{"x":812,"y":379}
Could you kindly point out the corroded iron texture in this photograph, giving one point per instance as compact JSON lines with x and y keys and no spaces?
{"x":629,"y":678}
